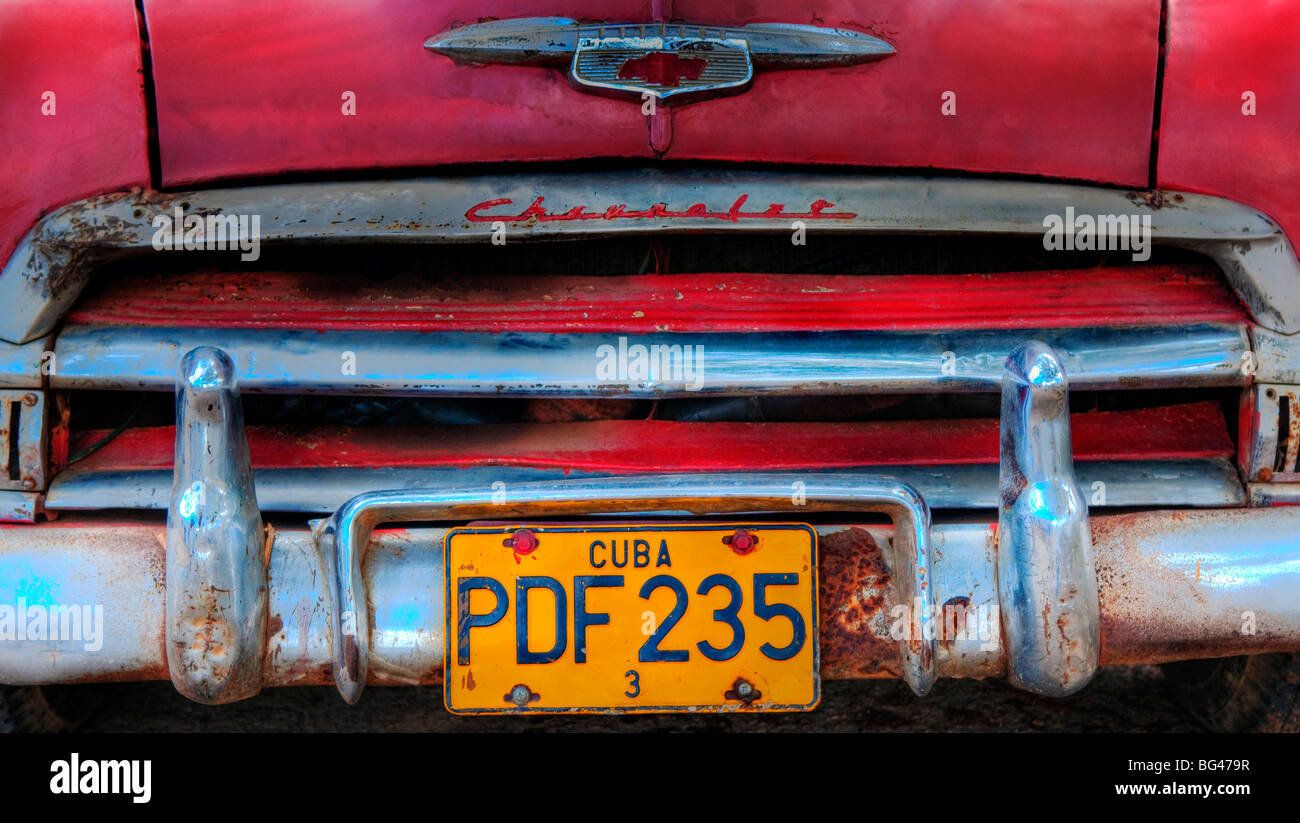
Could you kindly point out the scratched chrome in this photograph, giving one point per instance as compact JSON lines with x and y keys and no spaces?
{"x":1231,"y":582}
{"x":24,"y":366}
{"x":570,"y":365}
{"x":54,"y":261}
{"x":1047,"y":576}
{"x":1277,"y":356}
{"x":24,"y":453}
{"x":216,"y":573}
{"x":1212,"y":483}
{"x":1200,"y":572}
{"x":348,"y":532}
{"x":1270,"y":436}
{"x":20,"y":507}
{"x":597,"y":54}
{"x":1273,"y":494}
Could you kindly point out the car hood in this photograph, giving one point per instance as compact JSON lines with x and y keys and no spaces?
{"x":1027,"y":87}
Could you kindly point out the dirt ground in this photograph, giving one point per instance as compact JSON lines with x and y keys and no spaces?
{"x":1119,"y":700}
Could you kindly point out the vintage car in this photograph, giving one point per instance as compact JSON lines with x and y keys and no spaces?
{"x":649,"y":355}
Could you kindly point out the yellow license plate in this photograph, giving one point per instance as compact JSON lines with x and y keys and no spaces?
{"x":631,"y":618}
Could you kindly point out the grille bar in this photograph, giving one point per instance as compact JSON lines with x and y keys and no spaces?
{"x":677,"y":365}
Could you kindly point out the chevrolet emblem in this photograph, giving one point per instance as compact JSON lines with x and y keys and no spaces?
{"x":672,"y":62}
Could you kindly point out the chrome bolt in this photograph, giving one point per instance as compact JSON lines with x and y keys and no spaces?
{"x":29,"y":483}
{"x":744,"y":689}
{"x":521,"y":695}
{"x":29,"y":399}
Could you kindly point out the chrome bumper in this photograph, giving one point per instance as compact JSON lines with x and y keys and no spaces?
{"x":224,"y":608}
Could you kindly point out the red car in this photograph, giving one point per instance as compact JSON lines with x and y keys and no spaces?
{"x":649,"y":356}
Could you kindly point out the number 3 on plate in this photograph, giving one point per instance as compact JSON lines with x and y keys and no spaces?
{"x":634,"y":684}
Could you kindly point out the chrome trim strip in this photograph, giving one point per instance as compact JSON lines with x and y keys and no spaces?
{"x":1116,"y":484}
{"x":53,"y":263}
{"x":346,"y":535}
{"x":1267,"y":452}
{"x":1047,"y":577}
{"x":24,"y":366}
{"x":1278,"y":356}
{"x":1273,"y":494}
{"x":598,"y":62}
{"x":29,"y":471}
{"x":20,"y":507}
{"x":578,"y":365}
{"x":216,"y":572}
{"x":552,"y":41}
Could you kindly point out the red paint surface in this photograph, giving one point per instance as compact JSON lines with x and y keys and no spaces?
{"x":88,"y":54}
{"x":251,"y":88}
{"x":1147,"y":295}
{"x":1189,"y":431}
{"x":1217,"y":50}
{"x":662,"y":69}
{"x":1044,"y":87}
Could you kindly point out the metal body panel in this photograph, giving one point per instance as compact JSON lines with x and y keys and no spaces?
{"x":679,"y":365}
{"x":72,"y":106}
{"x":1229,"y":113}
{"x":415,"y":109}
{"x":56,"y":260}
{"x":1002,"y":63}
{"x":296,"y":59}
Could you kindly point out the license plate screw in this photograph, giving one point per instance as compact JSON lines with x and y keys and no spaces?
{"x":522,"y":541}
{"x":521,"y":696}
{"x":743,"y":691}
{"x":742,"y":542}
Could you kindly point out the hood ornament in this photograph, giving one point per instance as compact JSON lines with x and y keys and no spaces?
{"x":671,"y":62}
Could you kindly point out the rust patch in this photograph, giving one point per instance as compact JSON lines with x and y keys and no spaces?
{"x":269,"y":544}
{"x":1153,"y":199}
{"x":955,"y":614}
{"x":351,"y":657}
{"x":855,"y":604}
{"x":569,"y":410}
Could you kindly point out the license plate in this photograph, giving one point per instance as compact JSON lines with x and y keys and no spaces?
{"x":631,"y":618}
